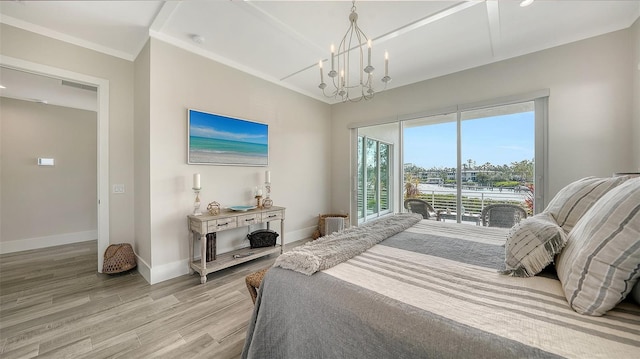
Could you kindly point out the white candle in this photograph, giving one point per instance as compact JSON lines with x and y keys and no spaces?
{"x":321,"y":77}
{"x":259,"y":193}
{"x":369,"y":52}
{"x":333,"y":51}
{"x":386,"y":63}
{"x":267,"y":176}
{"x":196,"y":180}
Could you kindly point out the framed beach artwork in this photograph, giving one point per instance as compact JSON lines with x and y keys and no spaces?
{"x":220,"y":140}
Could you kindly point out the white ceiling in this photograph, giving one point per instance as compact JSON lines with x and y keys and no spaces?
{"x":282,"y":41}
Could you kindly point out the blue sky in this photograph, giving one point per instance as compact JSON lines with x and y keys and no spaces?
{"x":499,"y":140}
{"x":225,"y":128}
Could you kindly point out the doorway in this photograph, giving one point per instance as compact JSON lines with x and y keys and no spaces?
{"x":102,"y":86}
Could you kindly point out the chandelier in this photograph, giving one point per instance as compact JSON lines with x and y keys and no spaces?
{"x":347,"y":86}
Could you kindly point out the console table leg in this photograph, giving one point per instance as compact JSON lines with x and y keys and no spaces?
{"x":282,"y":236}
{"x":191,"y":240}
{"x":203,"y":258}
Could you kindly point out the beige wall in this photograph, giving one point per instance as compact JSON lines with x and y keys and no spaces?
{"x":39,"y":49}
{"x":299,"y":152}
{"x":635,"y":70}
{"x":41,"y":203}
{"x":142,"y":169}
{"x":590,"y":106}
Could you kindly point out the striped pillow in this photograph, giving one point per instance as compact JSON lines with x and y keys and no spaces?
{"x":574,"y":200}
{"x":532,"y":244}
{"x":601,"y":260}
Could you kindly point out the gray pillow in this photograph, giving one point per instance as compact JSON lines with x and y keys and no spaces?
{"x":532,"y":245}
{"x":601,"y":261}
{"x":574,"y":200}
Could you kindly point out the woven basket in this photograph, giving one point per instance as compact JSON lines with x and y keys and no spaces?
{"x":118,"y":258}
{"x":321,"y":219}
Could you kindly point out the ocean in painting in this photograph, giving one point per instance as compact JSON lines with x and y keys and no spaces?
{"x":217,"y":151}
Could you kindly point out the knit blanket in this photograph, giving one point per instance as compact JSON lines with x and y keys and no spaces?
{"x":328,"y":251}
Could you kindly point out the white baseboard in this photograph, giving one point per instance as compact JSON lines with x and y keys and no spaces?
{"x":169,"y":271}
{"x":48,"y":241}
{"x":143,"y":268}
{"x":303,"y":233}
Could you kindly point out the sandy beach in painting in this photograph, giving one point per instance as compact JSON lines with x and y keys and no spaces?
{"x":205,"y":157}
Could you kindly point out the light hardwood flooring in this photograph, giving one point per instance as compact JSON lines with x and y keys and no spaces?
{"x":54,"y":304}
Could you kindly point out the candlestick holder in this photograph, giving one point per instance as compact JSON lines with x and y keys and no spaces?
{"x":267,"y":202}
{"x":259,"y":201}
{"x":196,"y":202}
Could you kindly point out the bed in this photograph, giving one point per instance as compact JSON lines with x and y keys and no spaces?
{"x":558,"y":284}
{"x":431,"y":290}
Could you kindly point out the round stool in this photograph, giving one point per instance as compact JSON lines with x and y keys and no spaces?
{"x":253,"y":281}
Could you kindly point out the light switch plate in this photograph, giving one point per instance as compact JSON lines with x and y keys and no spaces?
{"x":46,"y":162}
{"x":118,"y":188}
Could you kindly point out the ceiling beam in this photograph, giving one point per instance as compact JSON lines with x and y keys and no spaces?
{"x":493,"y":16}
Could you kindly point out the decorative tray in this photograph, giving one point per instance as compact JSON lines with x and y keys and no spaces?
{"x":241,"y":208}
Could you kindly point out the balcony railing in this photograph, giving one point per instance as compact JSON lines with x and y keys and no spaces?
{"x":473,"y":200}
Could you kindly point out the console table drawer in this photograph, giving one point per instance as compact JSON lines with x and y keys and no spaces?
{"x":221,"y":224}
{"x":272,"y":216}
{"x":248,"y":219}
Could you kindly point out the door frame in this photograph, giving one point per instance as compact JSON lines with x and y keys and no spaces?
{"x":102,"y":135}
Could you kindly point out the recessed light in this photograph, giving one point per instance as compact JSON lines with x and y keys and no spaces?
{"x":526,"y":3}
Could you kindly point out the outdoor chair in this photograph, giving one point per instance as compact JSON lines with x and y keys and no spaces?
{"x":415,"y":205}
{"x":502,"y":215}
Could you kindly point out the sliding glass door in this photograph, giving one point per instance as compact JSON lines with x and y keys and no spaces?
{"x":374,"y":180}
{"x":459,"y":159}
{"x":430,"y":158}
{"x":498,"y":156}
{"x":462,"y":161}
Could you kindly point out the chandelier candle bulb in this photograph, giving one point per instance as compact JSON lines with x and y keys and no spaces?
{"x":369,"y":52}
{"x":333,"y":56}
{"x":196,"y":181}
{"x":321,"y":76}
{"x":386,"y":63}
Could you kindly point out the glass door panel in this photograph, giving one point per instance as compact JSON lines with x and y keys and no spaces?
{"x":430,"y":161}
{"x":371,"y":160}
{"x":375,"y":183}
{"x":497,"y":151}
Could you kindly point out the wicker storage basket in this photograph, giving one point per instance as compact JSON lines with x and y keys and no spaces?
{"x":321,"y":219}
{"x":262,"y":238}
{"x":118,"y":258}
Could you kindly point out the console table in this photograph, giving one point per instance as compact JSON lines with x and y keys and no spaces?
{"x":199,"y":226}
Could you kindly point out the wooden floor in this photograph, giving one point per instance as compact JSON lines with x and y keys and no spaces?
{"x":54,"y":304}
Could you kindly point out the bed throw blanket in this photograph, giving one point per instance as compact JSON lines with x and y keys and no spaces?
{"x":326,"y":252}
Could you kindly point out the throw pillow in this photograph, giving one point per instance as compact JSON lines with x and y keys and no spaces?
{"x":574,"y":200}
{"x":532,"y":245}
{"x":601,"y":260}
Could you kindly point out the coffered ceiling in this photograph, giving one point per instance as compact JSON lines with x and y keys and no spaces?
{"x":282,"y":41}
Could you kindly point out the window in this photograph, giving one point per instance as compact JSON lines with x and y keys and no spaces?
{"x":461,"y":158}
{"x":374,"y":178}
{"x":462,"y":161}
